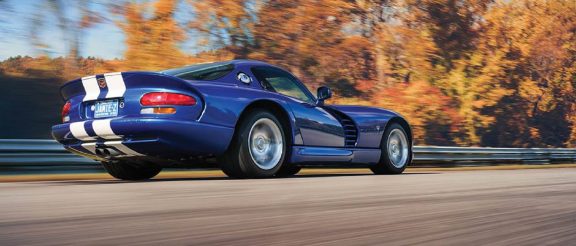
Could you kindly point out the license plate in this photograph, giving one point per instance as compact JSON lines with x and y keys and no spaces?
{"x":108,"y":108}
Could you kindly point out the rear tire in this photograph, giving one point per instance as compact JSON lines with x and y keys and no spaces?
{"x":258,"y":149}
{"x":396,"y":151}
{"x":130,"y":171}
{"x":288,"y":170}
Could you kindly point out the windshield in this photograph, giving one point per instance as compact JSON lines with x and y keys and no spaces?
{"x":206,"y":71}
{"x":280,"y":81}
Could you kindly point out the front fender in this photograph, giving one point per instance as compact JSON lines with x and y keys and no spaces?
{"x":370,"y":121}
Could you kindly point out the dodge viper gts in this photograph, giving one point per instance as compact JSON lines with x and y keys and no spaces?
{"x":250,"y":118}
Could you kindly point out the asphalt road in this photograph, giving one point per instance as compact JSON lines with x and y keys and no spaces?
{"x":504,"y":207}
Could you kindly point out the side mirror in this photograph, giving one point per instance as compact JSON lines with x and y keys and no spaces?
{"x":323,"y":93}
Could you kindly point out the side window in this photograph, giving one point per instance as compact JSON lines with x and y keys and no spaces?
{"x":207,"y":71}
{"x":279,"y":81}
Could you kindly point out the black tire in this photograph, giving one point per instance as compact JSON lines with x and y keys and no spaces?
{"x":238,"y":162}
{"x":386,"y":165}
{"x":288,"y":170}
{"x":130,"y":171}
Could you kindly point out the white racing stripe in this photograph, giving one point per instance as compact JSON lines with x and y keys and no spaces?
{"x":91,"y":88}
{"x":122,"y":148}
{"x":78,"y":131}
{"x":103,"y":129}
{"x":90,"y":147}
{"x":116,"y":86}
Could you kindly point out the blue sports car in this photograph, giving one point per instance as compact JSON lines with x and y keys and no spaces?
{"x":251,"y":118}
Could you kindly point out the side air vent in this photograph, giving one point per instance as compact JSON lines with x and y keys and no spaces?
{"x":350,"y":132}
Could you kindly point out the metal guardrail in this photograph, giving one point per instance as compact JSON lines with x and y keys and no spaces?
{"x":24,"y":156}
{"x":48,"y":154}
{"x":428,"y":154}
{"x":37,"y":152}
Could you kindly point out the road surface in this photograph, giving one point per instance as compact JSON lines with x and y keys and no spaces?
{"x":503,"y":207}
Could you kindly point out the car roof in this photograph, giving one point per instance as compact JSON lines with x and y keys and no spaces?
{"x":216,"y":63}
{"x":249,"y":62}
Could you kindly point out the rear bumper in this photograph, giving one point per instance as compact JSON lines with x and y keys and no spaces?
{"x":131,"y":137}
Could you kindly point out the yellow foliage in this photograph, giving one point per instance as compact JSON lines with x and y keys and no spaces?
{"x":152,"y":42}
{"x":469,"y":72}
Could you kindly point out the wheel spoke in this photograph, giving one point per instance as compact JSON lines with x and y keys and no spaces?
{"x":265,"y":141}
{"x":397,"y":148}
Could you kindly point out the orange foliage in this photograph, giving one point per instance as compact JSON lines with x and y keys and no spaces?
{"x":152,"y":42}
{"x":470,"y":72}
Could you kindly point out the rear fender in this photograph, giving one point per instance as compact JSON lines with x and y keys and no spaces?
{"x":226,"y":104}
{"x":128,"y":87}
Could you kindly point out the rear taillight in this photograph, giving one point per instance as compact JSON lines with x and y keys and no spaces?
{"x":158,"y":110}
{"x":166,"y":98}
{"x":65,"y":112}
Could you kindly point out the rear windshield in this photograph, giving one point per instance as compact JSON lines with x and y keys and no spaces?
{"x":206,"y":71}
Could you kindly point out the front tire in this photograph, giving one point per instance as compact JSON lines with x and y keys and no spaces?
{"x":396,"y":151}
{"x":259,"y":148}
{"x":130,"y":171}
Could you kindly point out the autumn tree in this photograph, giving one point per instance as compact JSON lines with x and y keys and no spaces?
{"x":306,"y":37}
{"x":152,"y":34}
{"x":464,"y":72}
{"x":373,"y":22}
{"x":462,"y":68}
{"x":538,"y":42}
{"x":225,"y":24}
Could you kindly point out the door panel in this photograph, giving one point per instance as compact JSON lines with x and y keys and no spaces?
{"x":316,"y":125}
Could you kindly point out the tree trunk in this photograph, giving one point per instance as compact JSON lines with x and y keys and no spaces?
{"x":382,"y":65}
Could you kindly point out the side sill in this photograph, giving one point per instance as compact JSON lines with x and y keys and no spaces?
{"x":324,"y":155}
